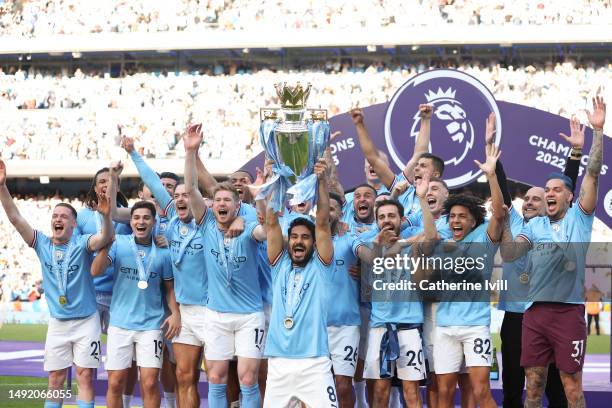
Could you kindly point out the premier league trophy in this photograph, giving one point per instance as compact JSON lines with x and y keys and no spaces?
{"x":294,"y":138}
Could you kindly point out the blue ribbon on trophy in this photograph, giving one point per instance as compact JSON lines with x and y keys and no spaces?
{"x":294,"y":142}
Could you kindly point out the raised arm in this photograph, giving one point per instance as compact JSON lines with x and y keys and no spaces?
{"x":427,"y":241}
{"x":148,"y":176}
{"x":370,"y":151}
{"x":422,"y":143}
{"x":206,"y":182}
{"x":100,"y":262}
{"x":499,"y":169}
{"x":333,"y":180}
{"x":106,"y":233}
{"x":576,"y":140}
{"x":12,"y":212}
{"x":274,"y":236}
{"x":496,"y":222}
{"x":323,"y":235}
{"x":191,"y":140}
{"x":588,"y":189}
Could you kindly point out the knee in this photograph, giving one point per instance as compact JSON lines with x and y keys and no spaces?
{"x":481,"y":391}
{"x":217,"y":377}
{"x":116,"y":384}
{"x":573,"y":393}
{"x":183,"y":376}
{"x":344,"y":387}
{"x":84,"y":376}
{"x":149,"y":382}
{"x":248,"y":378}
{"x":56,"y":379}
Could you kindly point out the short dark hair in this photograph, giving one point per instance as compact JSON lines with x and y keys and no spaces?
{"x":334,"y":196}
{"x":302,"y":221}
{"x":143,"y":204}
{"x":388,"y":201}
{"x":439,"y":180}
{"x":438,"y":163}
{"x":244,"y":171}
{"x":170,"y":175}
{"x":367,"y":186}
{"x":474,"y":205}
{"x":70,"y":207}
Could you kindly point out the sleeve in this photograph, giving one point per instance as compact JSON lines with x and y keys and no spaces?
{"x":326,"y":269}
{"x":39,"y":242}
{"x":356,"y":242}
{"x":112,"y":252}
{"x":207,"y":219}
{"x":248,"y":212}
{"x":152,"y":181}
{"x":276,"y":264}
{"x":84,"y":242}
{"x":527,"y":231}
{"x":249,"y":228}
{"x":81,"y":221}
{"x":571,"y":170}
{"x":415,"y":219}
{"x":503,"y":183}
{"x":583,"y":220}
{"x":167,"y":273}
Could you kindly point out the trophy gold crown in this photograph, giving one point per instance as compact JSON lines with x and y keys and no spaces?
{"x":292,"y":97}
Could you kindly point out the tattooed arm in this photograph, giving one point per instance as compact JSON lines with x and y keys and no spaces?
{"x":588,"y":189}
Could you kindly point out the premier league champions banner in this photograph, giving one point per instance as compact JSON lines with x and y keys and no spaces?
{"x":528,"y":137}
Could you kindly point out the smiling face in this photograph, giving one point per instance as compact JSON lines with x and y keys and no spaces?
{"x":225,"y":207}
{"x":181,"y":201}
{"x":425,"y":166}
{"x":363,"y":204}
{"x":387,"y":216}
{"x":240,"y":180}
{"x":335,"y":213}
{"x":558,"y":198}
{"x":102,"y":181}
{"x":436,"y":196}
{"x":142,"y":222}
{"x":461,"y":222}
{"x":169,"y":184}
{"x":533,"y":203}
{"x":302,"y":208}
{"x":63,"y":224}
{"x":301,"y":245}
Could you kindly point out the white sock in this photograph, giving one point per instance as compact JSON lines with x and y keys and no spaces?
{"x":394,"y":399}
{"x":170,"y":399}
{"x":126,"y":400}
{"x":360,"y":394}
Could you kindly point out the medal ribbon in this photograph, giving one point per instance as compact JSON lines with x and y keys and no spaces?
{"x":143,"y":274}
{"x":292,"y":300}
{"x":227,"y":257}
{"x":61,"y":274}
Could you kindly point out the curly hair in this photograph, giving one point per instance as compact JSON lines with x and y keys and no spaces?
{"x":91,"y":198}
{"x":474,"y":205}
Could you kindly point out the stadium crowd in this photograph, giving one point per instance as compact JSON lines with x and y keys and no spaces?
{"x":82,"y":115}
{"x":39,"y":18}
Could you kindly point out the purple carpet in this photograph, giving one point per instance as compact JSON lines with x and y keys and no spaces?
{"x":22,"y":358}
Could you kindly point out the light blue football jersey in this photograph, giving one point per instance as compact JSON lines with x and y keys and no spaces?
{"x":265,"y":272}
{"x":558,"y":256}
{"x":308,"y":336}
{"x":343,"y":290}
{"x":454,"y":308}
{"x":90,"y":222}
{"x":232,"y":267}
{"x":80,"y":293}
{"x":188,"y":253}
{"x":133,"y":308}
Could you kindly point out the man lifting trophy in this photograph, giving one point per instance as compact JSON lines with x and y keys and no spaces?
{"x":294,"y":138}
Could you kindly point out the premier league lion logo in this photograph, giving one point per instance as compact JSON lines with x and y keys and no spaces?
{"x":461,"y":105}
{"x":452,"y":128}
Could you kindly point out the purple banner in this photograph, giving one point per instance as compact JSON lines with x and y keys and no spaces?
{"x":528,"y":137}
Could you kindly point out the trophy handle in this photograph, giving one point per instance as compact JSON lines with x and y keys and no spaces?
{"x":318,"y":114}
{"x":268,"y":113}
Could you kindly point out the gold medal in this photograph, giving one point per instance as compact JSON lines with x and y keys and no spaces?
{"x":63,"y":300}
{"x":288,"y":322}
{"x":524,"y":278}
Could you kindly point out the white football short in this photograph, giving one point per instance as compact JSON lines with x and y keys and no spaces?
{"x":148,"y":345}
{"x":364,"y":312}
{"x":234,"y":334}
{"x":193,"y":320}
{"x":306,"y":379}
{"x":73,"y":341}
{"x":343,"y":348}
{"x":456,"y":343}
{"x":410,"y":365}
{"x":267,"y":315}
{"x":429,"y":332}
